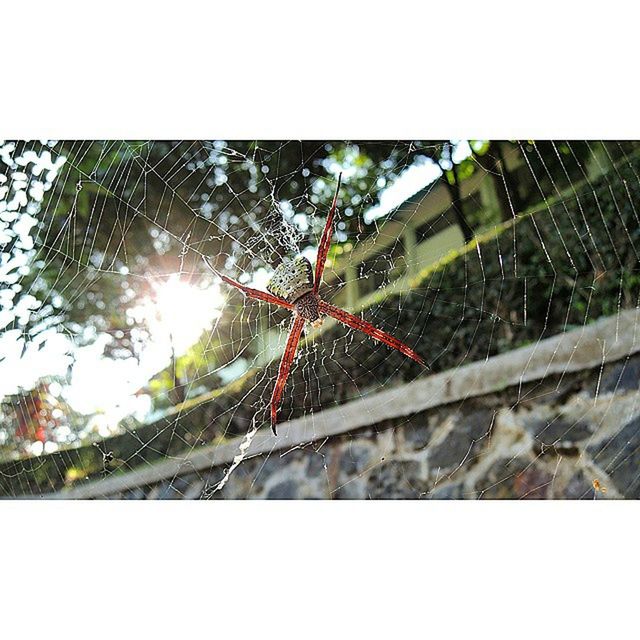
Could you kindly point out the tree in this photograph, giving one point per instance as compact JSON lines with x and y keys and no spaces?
{"x":31,"y":416}
{"x":108,"y":217}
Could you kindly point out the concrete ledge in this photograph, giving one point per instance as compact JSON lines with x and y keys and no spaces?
{"x":604,"y":341}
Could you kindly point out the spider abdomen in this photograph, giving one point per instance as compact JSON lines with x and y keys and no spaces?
{"x":292,"y":279}
{"x":307,"y":307}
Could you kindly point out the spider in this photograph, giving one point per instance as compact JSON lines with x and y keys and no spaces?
{"x":295,"y":287}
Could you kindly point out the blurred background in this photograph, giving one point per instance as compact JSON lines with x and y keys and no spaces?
{"x":111,"y":313}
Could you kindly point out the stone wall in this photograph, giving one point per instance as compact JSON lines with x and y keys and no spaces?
{"x":575,"y":436}
{"x":559,"y":418}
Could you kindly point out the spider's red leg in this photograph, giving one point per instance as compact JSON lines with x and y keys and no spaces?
{"x":258,"y":295}
{"x":325,"y":241}
{"x":285,"y":366}
{"x":366,"y":327}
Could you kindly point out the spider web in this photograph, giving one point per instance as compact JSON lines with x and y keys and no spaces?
{"x":552,"y":252}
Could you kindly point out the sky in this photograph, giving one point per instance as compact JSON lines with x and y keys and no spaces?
{"x":177,"y":313}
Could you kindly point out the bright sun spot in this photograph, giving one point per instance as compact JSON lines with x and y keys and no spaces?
{"x":180,"y":312}
{"x":177,"y":314}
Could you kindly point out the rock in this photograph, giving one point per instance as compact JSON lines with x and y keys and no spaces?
{"x":356,"y":458}
{"x":533,"y":483}
{"x":578,"y":488}
{"x":172,"y":490}
{"x":462,"y":443}
{"x":417,"y":432}
{"x":317,"y":461}
{"x":354,"y":490}
{"x":556,"y":394}
{"x":558,"y":431}
{"x":447,"y":492}
{"x":623,"y":376}
{"x":268,"y":466}
{"x":134,"y":494}
{"x":286,"y":490}
{"x":313,"y":490}
{"x":164,"y":492}
{"x":619,"y":457}
{"x":250,"y":476}
{"x":396,"y":479}
{"x":514,"y":479}
{"x":154,"y":492}
{"x":195,"y":490}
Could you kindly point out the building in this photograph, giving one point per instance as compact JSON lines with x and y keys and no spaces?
{"x":415,"y":235}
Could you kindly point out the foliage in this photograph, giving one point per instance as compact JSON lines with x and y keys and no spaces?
{"x":34,"y":416}
{"x":111,"y":216}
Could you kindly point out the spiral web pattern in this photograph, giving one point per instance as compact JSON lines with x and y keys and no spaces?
{"x":553,"y":250}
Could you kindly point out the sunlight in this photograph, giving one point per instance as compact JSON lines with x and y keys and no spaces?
{"x":410,"y":181}
{"x":182,"y":311}
{"x":176,"y":313}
